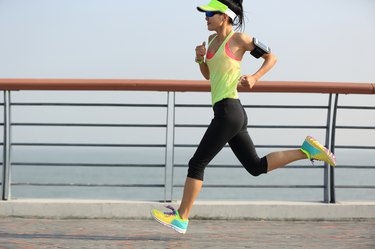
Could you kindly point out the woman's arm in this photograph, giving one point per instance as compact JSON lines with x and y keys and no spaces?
{"x":250,"y":80}
{"x":200,"y":53}
{"x":246,"y":43}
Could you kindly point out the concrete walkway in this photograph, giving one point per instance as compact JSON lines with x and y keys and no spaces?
{"x":50,"y":224}
{"x":28,"y":233}
{"x":268,"y":210}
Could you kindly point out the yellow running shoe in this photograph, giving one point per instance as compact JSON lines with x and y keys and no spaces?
{"x":315,"y":151}
{"x":171,"y":219}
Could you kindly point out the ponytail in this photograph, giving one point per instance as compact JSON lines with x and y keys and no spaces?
{"x":236,"y":7}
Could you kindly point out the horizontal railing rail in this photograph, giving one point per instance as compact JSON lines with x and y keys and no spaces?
{"x":182,"y":85}
{"x":171,"y":127}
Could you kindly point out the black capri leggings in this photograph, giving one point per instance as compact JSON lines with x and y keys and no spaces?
{"x":229,"y":125}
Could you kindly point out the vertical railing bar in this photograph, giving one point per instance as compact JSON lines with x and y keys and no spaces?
{"x":3,"y":171}
{"x":166,"y":150}
{"x":6,"y":148}
{"x":327,"y":140}
{"x":173,"y":141}
{"x":169,"y":148}
{"x":332,"y":149}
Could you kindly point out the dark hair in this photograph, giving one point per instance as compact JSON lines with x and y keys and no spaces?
{"x":236,"y":7}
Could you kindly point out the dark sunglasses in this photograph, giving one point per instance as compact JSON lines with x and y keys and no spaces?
{"x":212,"y":13}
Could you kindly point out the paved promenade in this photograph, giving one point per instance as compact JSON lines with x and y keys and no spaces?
{"x":28,"y":233}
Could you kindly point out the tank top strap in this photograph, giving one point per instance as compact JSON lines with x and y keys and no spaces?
{"x":224,"y":42}
{"x":227,"y":39}
{"x":210,"y":42}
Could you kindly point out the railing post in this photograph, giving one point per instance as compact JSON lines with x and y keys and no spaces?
{"x":169,"y":149}
{"x":332,"y":149}
{"x":327,"y":185}
{"x":5,"y":193}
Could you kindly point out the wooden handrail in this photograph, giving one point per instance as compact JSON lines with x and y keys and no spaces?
{"x":182,"y":85}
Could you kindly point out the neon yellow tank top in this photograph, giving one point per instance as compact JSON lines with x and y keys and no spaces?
{"x":225,"y":72}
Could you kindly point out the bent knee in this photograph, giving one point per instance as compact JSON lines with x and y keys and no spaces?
{"x":256,"y":172}
{"x":259,"y":167}
{"x":196,"y":169}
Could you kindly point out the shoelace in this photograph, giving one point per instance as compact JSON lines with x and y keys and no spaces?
{"x":170,"y":213}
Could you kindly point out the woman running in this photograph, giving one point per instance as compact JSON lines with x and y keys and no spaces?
{"x":221,"y":64}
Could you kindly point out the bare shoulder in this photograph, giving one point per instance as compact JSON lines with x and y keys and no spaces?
{"x":242,"y":37}
{"x":244,"y":40}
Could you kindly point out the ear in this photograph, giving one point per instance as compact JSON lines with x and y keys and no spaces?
{"x":225,"y":17}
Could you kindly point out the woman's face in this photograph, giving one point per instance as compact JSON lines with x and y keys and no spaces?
{"x":214,"y":21}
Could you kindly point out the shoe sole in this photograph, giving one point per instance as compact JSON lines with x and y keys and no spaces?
{"x":168,"y":225}
{"x":331,"y":160}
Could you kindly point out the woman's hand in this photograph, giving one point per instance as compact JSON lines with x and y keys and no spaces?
{"x":248,"y":80}
{"x":200,"y":51}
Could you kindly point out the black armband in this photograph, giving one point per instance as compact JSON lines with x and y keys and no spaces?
{"x":260,"y":49}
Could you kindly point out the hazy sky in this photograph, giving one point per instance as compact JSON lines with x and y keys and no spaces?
{"x":315,"y":40}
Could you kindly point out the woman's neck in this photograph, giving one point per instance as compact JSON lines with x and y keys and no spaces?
{"x":223,"y":32}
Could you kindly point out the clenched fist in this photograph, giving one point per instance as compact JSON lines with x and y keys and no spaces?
{"x":200,"y":51}
{"x":248,"y":80}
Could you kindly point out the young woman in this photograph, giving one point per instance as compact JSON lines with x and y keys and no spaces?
{"x":220,"y":63}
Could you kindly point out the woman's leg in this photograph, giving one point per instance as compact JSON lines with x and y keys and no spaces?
{"x":215,"y":138}
{"x":191,"y":190}
{"x":244,"y":149}
{"x":281,"y":158}
{"x":227,"y":123}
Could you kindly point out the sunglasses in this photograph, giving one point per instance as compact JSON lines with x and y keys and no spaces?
{"x":212,"y":13}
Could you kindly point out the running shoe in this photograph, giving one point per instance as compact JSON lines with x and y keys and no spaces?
{"x":315,"y":151}
{"x":171,"y":219}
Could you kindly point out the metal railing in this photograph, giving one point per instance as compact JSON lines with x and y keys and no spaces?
{"x":170,"y":128}
{"x":335,"y":147}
